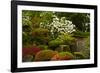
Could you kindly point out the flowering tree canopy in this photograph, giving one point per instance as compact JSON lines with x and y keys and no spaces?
{"x":59,"y":25}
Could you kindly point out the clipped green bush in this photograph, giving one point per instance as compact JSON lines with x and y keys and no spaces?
{"x":79,"y":55}
{"x":45,"y":55}
{"x":55,"y":43}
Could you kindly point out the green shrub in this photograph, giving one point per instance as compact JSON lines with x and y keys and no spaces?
{"x":66,"y":38}
{"x":45,"y":55}
{"x":55,"y":43}
{"x":62,"y":39}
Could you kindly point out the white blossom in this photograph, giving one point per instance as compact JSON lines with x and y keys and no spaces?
{"x":60,"y":25}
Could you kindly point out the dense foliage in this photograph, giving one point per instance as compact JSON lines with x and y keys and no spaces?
{"x":53,"y":36}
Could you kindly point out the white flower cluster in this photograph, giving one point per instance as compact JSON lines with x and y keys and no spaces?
{"x":60,"y":25}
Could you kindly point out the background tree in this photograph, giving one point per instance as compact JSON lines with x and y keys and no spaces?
{"x":80,"y":20}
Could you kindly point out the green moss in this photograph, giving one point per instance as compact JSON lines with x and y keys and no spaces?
{"x":45,"y":55}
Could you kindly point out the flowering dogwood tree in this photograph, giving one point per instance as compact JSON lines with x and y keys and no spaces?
{"x":59,"y":25}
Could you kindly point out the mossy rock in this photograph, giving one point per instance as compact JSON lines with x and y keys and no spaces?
{"x":45,"y":55}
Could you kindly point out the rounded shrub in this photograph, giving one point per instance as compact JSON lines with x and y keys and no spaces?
{"x":45,"y":55}
{"x":55,"y":43}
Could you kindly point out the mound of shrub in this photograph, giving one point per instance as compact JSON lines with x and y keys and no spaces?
{"x":45,"y":55}
{"x":55,"y":43}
